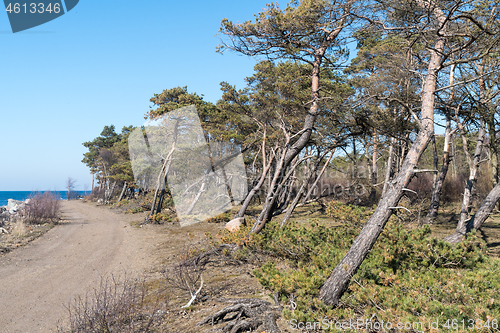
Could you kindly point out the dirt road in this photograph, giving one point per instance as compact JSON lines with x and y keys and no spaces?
{"x":37,"y":280}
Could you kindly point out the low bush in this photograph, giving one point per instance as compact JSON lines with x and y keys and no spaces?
{"x":162,"y":217}
{"x":350,"y":214}
{"x":41,"y":208}
{"x":117,"y":305}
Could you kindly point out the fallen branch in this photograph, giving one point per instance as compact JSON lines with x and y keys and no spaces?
{"x":251,"y":314}
{"x":193,"y":296}
{"x":400,"y":207}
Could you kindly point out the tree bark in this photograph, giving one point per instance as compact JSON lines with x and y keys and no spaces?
{"x":493,"y":146}
{"x":335,"y":286}
{"x":373,"y":192}
{"x":123,"y":191}
{"x":388,"y":171}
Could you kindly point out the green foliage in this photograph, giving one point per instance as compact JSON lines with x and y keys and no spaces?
{"x":407,"y":277}
{"x":348,"y":213}
{"x":108,"y":156}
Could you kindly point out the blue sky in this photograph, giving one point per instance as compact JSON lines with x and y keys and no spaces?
{"x":98,"y":65}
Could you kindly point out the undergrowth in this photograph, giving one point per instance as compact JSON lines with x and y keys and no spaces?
{"x":408,"y":277}
{"x":116,"y":305}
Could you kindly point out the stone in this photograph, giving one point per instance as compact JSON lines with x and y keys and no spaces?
{"x":11,"y":203}
{"x":234,"y":225}
{"x":4,"y":216}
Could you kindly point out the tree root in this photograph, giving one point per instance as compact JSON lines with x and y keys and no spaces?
{"x":250,"y":314}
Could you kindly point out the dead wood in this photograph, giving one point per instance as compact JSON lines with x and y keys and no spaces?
{"x":248,"y":314}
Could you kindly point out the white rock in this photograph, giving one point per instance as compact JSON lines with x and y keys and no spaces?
{"x":11,"y":203}
{"x":234,"y":225}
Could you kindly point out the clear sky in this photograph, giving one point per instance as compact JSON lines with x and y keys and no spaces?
{"x":98,"y":65}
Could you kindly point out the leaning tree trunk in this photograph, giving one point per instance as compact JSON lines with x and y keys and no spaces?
{"x":162,"y":181}
{"x":481,"y":215}
{"x":335,"y":286}
{"x":123,"y":191}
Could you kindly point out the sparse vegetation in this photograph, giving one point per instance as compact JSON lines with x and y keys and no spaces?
{"x":116,"y":305}
{"x":41,"y":208}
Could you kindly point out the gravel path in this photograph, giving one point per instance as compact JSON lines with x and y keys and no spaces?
{"x":37,"y":280}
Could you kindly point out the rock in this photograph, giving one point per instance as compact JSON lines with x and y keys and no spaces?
{"x":234,"y":225}
{"x":11,"y":203}
{"x":4,"y":216}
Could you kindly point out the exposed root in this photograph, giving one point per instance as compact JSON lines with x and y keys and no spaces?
{"x":249,"y":314}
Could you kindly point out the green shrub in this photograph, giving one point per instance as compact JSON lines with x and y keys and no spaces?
{"x":350,"y":214}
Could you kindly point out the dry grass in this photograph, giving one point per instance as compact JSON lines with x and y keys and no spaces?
{"x":19,"y":228}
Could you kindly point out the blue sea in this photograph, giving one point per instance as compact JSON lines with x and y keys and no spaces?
{"x":23,"y":195}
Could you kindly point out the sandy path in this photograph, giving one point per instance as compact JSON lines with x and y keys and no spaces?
{"x":38,"y":279}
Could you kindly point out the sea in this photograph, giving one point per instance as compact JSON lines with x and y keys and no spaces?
{"x":23,"y":195}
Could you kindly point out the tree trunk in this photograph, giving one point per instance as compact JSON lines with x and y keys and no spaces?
{"x":254,"y":190}
{"x":198,"y":195}
{"x":123,"y":191}
{"x":493,"y":146}
{"x":335,"y":286}
{"x":373,"y":192}
{"x":109,"y":193}
{"x":388,"y":171}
